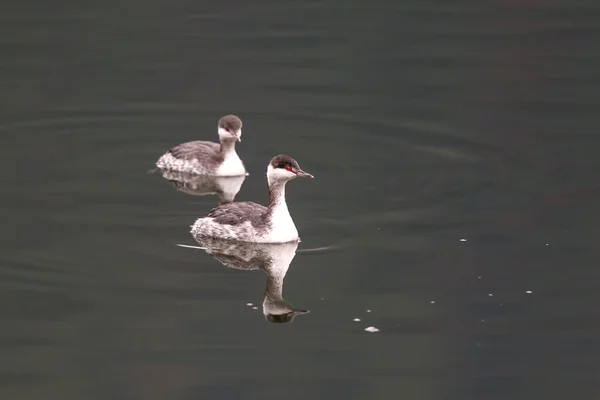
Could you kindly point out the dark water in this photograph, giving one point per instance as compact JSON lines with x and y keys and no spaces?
{"x":424,"y":123}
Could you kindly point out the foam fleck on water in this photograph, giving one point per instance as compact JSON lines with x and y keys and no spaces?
{"x":371,"y":329}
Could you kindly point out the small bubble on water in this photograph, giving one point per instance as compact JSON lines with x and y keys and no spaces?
{"x":356,"y":320}
{"x":432,"y":301}
{"x":491,"y":294}
{"x":528,"y":292}
{"x":249,"y":304}
{"x":255,"y":308}
{"x":463,"y":240}
{"x":368,"y":310}
{"x":371,"y":329}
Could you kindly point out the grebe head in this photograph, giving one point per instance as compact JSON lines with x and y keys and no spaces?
{"x":230,"y":128}
{"x":283,"y":168}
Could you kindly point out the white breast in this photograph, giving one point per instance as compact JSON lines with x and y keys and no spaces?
{"x":231,"y":166}
{"x":283,"y":229}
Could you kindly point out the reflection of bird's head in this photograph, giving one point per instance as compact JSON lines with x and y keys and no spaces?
{"x":284,"y":318}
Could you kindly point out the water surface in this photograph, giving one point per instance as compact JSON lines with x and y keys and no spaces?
{"x":423,"y":123}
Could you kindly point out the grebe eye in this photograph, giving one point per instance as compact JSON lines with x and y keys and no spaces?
{"x":227,"y":129}
{"x":289,"y":168}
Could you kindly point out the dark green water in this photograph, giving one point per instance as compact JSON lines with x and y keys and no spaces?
{"x":423,"y":122}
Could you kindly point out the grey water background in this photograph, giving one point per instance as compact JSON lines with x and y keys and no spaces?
{"x":424,"y":123}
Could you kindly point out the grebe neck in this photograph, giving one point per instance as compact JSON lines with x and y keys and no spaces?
{"x":227,"y":147}
{"x":277,"y":202}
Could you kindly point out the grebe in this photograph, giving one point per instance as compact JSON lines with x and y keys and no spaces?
{"x":273,"y":259}
{"x":208,"y":158}
{"x":251,"y":222}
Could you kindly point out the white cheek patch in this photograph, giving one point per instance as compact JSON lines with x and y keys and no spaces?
{"x":279,"y":174}
{"x":223,"y":134}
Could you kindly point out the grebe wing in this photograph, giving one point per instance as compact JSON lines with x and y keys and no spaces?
{"x":197,"y":149}
{"x":237,"y":213}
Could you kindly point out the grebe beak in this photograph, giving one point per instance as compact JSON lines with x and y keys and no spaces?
{"x":303,"y":174}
